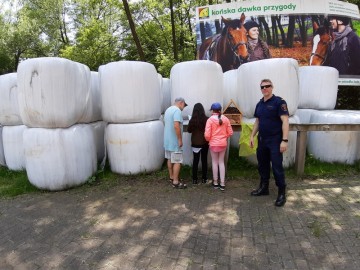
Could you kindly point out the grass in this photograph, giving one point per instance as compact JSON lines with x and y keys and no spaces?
{"x":317,"y":229}
{"x":316,"y":168}
{"x":13,"y":183}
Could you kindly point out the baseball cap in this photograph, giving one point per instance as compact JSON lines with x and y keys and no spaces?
{"x":180,"y":99}
{"x":216,"y":106}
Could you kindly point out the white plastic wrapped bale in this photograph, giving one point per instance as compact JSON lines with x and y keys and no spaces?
{"x":2,"y":156}
{"x":230,"y":86}
{"x":335,"y":146}
{"x":9,"y":106}
{"x":135,"y":148}
{"x":99,"y":135}
{"x":12,"y":137}
{"x":161,"y":91}
{"x":289,"y":155}
{"x":57,"y":159}
{"x":93,"y":107}
{"x":53,"y":92}
{"x":130,"y":92}
{"x":304,"y":115}
{"x":187,"y":149}
{"x":166,"y":94}
{"x":197,"y":81}
{"x":234,"y":139}
{"x":283,"y":72}
{"x":318,"y":87}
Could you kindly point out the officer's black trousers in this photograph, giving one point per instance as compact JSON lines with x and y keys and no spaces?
{"x":269,"y":151}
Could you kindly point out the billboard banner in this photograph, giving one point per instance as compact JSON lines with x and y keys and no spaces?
{"x":321,"y":32}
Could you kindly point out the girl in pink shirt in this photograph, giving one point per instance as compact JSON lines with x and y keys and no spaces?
{"x":217,"y":130}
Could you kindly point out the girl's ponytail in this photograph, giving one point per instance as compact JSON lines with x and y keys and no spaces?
{"x":220,"y":120}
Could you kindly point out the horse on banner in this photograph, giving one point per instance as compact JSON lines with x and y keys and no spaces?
{"x":321,"y":41}
{"x":229,"y":48}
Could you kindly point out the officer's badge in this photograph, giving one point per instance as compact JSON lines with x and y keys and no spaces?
{"x":284,"y":107}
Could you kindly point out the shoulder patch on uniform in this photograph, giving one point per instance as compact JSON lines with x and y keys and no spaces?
{"x":284,"y":107}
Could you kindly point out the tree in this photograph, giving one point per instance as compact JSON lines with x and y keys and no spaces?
{"x":52,"y":21}
{"x":133,"y":30}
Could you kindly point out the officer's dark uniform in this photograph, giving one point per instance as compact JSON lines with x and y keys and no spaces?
{"x":269,"y":139}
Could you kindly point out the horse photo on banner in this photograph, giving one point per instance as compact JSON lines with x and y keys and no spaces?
{"x":322,"y":32}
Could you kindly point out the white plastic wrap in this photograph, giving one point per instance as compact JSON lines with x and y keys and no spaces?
{"x":135,"y":148}
{"x":12,"y":137}
{"x":283,"y":72}
{"x":166,"y":94}
{"x":318,"y":87}
{"x":93,"y":107}
{"x":2,"y":156}
{"x":335,"y":146}
{"x":289,"y":155}
{"x":187,"y":149}
{"x":234,"y":139}
{"x":99,"y":135}
{"x":57,"y":159}
{"x":197,"y":81}
{"x":230,"y":86}
{"x":53,"y":92}
{"x":160,"y":78}
{"x":304,"y":115}
{"x":130,"y":92}
{"x":9,"y":106}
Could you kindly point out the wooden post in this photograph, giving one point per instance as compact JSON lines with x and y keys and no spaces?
{"x":301,"y":137}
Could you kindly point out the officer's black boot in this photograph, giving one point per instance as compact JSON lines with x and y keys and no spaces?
{"x":281,"y":198}
{"x":262,"y":190}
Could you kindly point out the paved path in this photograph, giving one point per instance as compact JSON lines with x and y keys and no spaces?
{"x":149,"y":225}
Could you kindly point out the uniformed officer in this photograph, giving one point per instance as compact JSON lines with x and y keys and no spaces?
{"x":272,"y":123}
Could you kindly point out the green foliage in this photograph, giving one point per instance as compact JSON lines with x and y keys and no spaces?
{"x":348,"y":98}
{"x":94,"y":46}
{"x":239,"y":166}
{"x":14,"y":183}
{"x":316,"y":168}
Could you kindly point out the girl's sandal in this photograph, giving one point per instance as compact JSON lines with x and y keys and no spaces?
{"x":179,"y":185}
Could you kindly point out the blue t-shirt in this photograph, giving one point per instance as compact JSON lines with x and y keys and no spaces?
{"x":269,"y":112}
{"x":172,"y":114}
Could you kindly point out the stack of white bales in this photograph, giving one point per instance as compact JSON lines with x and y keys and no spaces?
{"x":318,"y":93}
{"x":131,"y":104}
{"x":92,"y":115}
{"x":283,"y":72}
{"x":335,"y":146}
{"x":11,"y":149}
{"x":230,"y":93}
{"x":54,"y":95}
{"x":166,"y":94}
{"x":318,"y":86}
{"x":199,"y":81}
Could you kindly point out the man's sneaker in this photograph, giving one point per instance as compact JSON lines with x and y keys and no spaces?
{"x":215,"y":186}
{"x":222,"y":188}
